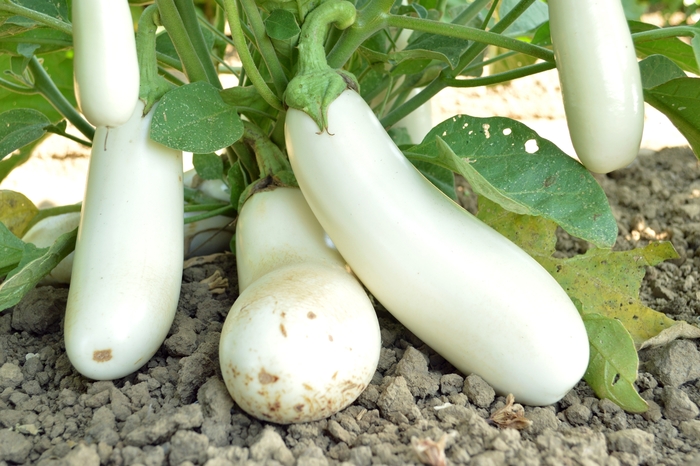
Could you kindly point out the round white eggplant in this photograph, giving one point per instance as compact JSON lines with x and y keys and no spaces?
{"x":302,"y":340}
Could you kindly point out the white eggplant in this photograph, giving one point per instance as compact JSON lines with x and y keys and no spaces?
{"x":45,"y":233}
{"x":302,"y":340}
{"x":127,"y":268}
{"x":600,"y":81}
{"x":277,"y":228}
{"x":106,"y":69}
{"x":464,"y":289}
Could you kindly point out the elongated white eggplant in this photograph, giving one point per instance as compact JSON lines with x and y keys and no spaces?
{"x":302,"y":340}
{"x":127,"y":268}
{"x":600,"y":81}
{"x":106,"y":69}
{"x":464,"y":289}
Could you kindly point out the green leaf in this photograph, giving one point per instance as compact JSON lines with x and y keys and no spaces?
{"x":603,"y":281}
{"x":11,"y":249}
{"x":16,"y":211}
{"x":657,"y":69}
{"x":58,"y":9}
{"x":236,"y":182}
{"x":208,"y":166}
{"x":679,"y":100}
{"x":533,"y":17}
{"x":510,"y":164}
{"x":282,"y":25}
{"x":49,"y":40}
{"x":194,"y":118}
{"x":613,"y":364}
{"x":681,"y":53}
{"x":20,"y":127}
{"x":433,"y":47}
{"x":26,"y":278}
{"x":59,"y":66}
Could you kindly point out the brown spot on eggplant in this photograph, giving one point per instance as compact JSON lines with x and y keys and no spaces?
{"x":102,"y":355}
{"x":311,"y":315}
{"x":265,"y":378}
{"x":307,"y":386}
{"x":330,"y":337}
{"x":283,"y":330}
{"x":299,"y":407}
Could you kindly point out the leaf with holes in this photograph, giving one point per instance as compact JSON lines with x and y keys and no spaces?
{"x":510,"y":164}
{"x":613,"y":364}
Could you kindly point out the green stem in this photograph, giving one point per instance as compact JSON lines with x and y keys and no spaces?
{"x":153,"y":86}
{"x":17,"y":88}
{"x":269,"y":156}
{"x":500,"y":77}
{"x":52,"y":211}
{"x":265,"y":47}
{"x":170,"y":18}
{"x":312,"y":54}
{"x":34,"y":15}
{"x":169,"y":61}
{"x":69,"y":136}
{"x":247,"y":159}
{"x":46,"y":87}
{"x":470,"y":12}
{"x":469,"y":33}
{"x":170,"y":77}
{"x":244,"y":54}
{"x":203,"y":207}
{"x":225,"y":210}
{"x":439,"y":84}
{"x":190,"y":20}
{"x":665,"y":33}
{"x":369,"y":20}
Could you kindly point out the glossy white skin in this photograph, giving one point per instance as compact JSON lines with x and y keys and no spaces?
{"x":302,"y":340}
{"x":105,"y":65}
{"x":128,"y":260}
{"x":45,"y":233}
{"x":461,"y":287}
{"x":600,"y":81}
{"x":277,"y":228}
{"x":299,"y":344}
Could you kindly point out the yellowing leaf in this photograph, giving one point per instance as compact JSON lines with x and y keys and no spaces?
{"x":604,"y":282}
{"x":612,"y":368}
{"x":16,"y":211}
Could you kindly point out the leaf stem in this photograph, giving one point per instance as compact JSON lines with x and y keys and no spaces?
{"x":500,"y":77}
{"x":171,"y":19}
{"x":46,"y":87}
{"x":244,"y":54}
{"x":190,"y":20}
{"x":665,"y":33}
{"x":225,"y":210}
{"x":265,"y":47}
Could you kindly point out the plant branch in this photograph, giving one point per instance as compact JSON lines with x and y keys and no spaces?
{"x":46,"y":87}
{"x":170,"y":18}
{"x":244,"y":54}
{"x":265,"y":47}
{"x":37,"y":16}
{"x":500,"y":77}
{"x":190,"y":20}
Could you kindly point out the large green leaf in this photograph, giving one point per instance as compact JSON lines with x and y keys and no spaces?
{"x":20,"y":127}
{"x":681,"y":53}
{"x":282,"y":25}
{"x":433,"y":47}
{"x":679,"y":100}
{"x":510,"y":164}
{"x":59,"y":66}
{"x":195,"y":118}
{"x":11,"y":249}
{"x":613,"y":364}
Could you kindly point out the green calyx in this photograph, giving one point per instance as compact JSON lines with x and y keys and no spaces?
{"x":153,"y":86}
{"x":316,"y":84}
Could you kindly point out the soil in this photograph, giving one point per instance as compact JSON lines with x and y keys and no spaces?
{"x":176,"y":409}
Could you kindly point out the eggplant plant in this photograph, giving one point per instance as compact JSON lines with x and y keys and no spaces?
{"x":326,"y":100}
